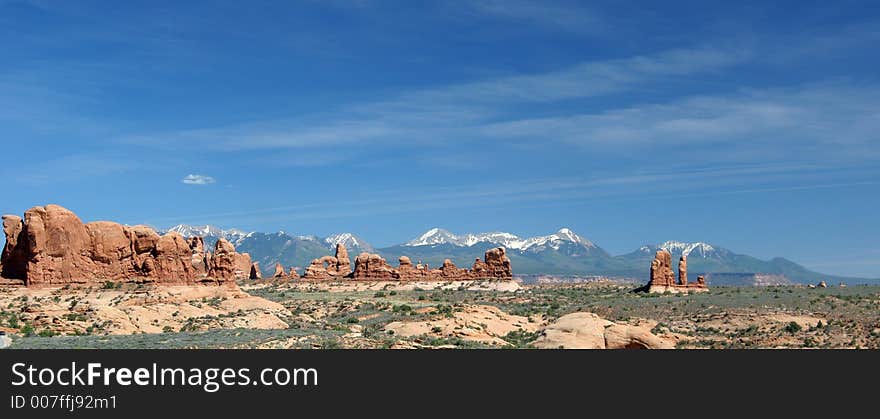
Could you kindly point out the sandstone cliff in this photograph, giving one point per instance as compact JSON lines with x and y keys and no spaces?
{"x":52,"y":246}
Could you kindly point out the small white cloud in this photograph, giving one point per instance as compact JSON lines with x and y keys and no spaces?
{"x":198,"y":180}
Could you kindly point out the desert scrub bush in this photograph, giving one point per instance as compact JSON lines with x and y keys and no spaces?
{"x":403,"y":308}
{"x":47,"y":333}
{"x":213,"y":302}
{"x":379,"y":294}
{"x":793,"y":328}
{"x":27,"y":330}
{"x":521,"y":338}
{"x":352,"y":320}
{"x":76,"y":317}
{"x":659,"y":328}
{"x":445,"y":310}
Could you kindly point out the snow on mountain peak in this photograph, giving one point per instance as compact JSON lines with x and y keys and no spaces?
{"x":557,"y":240}
{"x":207,"y":231}
{"x":349,"y":240}
{"x":437,"y":236}
{"x":686,"y":249}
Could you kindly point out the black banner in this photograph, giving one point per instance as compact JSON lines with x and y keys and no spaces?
{"x":232,"y":383}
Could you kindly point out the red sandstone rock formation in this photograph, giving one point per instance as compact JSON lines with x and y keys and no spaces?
{"x":323,"y":268}
{"x":224,"y":263}
{"x":343,"y":263}
{"x":498,"y":264}
{"x":293,"y":273}
{"x":242,"y":265}
{"x":663,"y":277}
{"x":14,"y":257}
{"x":683,"y":271}
{"x":279,"y":271}
{"x":372,"y":267}
{"x":51,"y":246}
{"x":201,"y":260}
{"x":330,"y":267}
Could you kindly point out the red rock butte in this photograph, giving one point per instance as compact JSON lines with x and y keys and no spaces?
{"x":371,"y":267}
{"x":663,"y":277}
{"x":50,"y":246}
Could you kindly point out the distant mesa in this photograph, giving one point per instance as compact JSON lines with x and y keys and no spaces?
{"x":51,"y":246}
{"x":663,"y":277}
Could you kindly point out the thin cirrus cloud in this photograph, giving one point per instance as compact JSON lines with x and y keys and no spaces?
{"x":816,"y":118}
{"x":450,"y":111}
{"x":541,"y":13}
{"x":198,"y":180}
{"x":652,"y":185}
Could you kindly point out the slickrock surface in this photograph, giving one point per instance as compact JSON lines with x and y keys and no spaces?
{"x":134,"y":309}
{"x":589,"y":331}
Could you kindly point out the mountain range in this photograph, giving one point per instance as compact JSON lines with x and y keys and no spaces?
{"x":563,"y":253}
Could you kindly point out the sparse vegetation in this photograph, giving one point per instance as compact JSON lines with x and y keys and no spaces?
{"x":724,"y":317}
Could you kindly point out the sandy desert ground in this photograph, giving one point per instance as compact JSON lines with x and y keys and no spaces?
{"x":469,"y":315}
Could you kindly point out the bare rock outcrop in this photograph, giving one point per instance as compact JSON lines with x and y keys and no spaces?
{"x":589,"y":331}
{"x":330,"y":267}
{"x":683,"y":271}
{"x":663,"y":277}
{"x":242,"y":265}
{"x":201,"y":260}
{"x":224,"y":263}
{"x":14,"y":257}
{"x":52,"y":246}
{"x":373,"y":267}
{"x":498,"y":263}
{"x":279,"y":271}
{"x":343,"y":263}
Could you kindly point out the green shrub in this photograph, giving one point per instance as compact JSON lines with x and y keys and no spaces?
{"x":47,"y":333}
{"x":793,"y":328}
{"x":403,"y":308}
{"x":27,"y":330}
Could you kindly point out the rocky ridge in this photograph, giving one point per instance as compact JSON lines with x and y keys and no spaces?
{"x":52,"y":246}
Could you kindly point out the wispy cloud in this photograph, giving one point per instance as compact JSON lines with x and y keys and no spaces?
{"x":71,"y":168}
{"x":448,"y":112}
{"x":567,"y":17}
{"x":645,"y":186}
{"x":198,"y":180}
{"x":833,"y":119}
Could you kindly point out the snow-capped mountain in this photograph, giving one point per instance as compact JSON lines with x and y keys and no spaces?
{"x":563,"y":237}
{"x":561,"y":253}
{"x":436,"y":236}
{"x":351,"y":242}
{"x":558,"y":241}
{"x":212,"y":233}
{"x":697,"y":249}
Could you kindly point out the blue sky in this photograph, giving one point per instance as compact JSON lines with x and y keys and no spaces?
{"x":749,"y":125}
